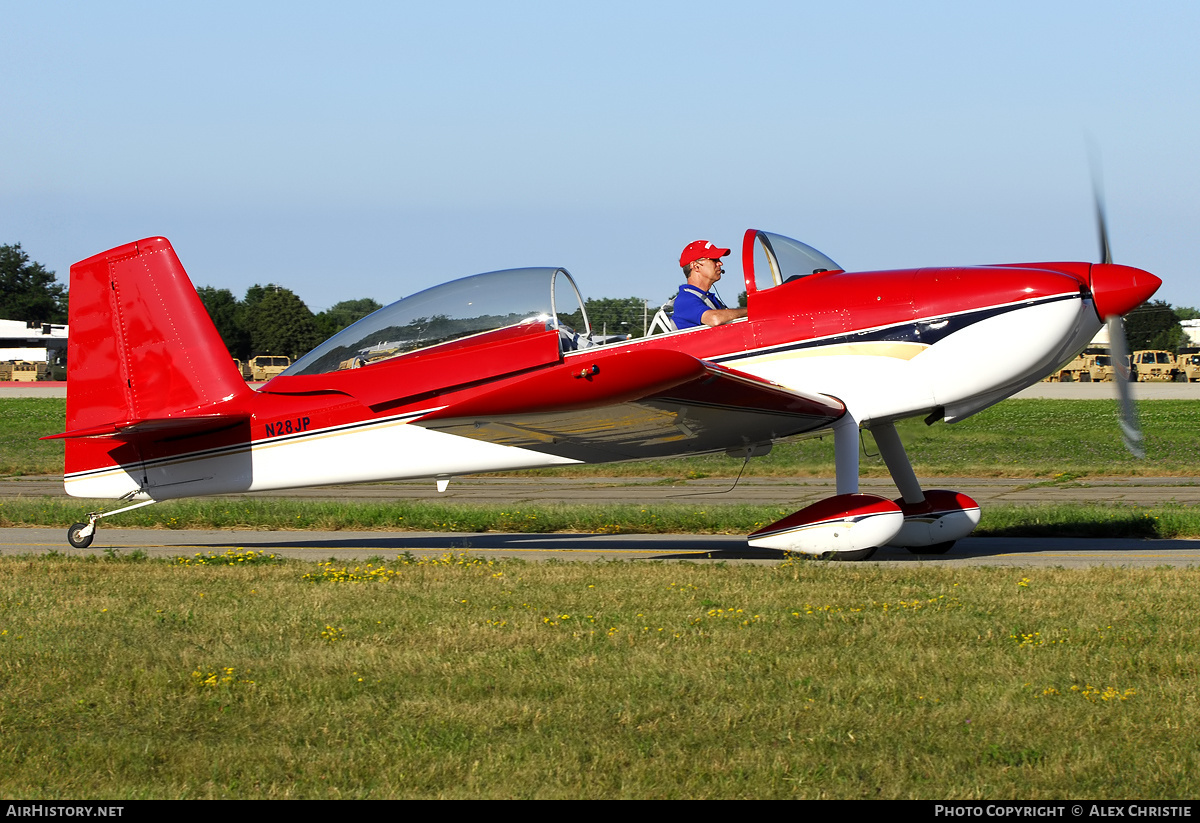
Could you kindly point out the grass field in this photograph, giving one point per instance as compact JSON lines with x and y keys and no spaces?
{"x":22,"y":421}
{"x":1017,"y":438}
{"x":242,"y":677}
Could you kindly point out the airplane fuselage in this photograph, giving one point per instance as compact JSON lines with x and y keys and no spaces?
{"x":946,"y":342}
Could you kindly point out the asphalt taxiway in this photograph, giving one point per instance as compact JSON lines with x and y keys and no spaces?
{"x":359,"y":546}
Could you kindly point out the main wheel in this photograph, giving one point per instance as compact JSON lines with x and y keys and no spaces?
{"x":936,"y":548}
{"x":75,"y":538}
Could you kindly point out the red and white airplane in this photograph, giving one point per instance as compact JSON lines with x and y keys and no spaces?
{"x":499,"y":372}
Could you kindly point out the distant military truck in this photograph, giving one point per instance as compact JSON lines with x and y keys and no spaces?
{"x":1152,"y":366}
{"x":1068,"y":373}
{"x":1187,"y":365}
{"x":1092,"y":366}
{"x":1100,"y":369}
{"x":22,"y":371}
{"x":264,"y":367}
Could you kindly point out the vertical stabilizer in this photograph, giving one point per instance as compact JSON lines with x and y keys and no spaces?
{"x":142,"y":346}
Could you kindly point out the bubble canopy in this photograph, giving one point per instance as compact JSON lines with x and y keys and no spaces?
{"x":533,"y":299}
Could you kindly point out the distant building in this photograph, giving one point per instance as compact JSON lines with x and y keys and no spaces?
{"x":35,"y":342}
{"x":1191,"y":331}
{"x":1191,"y":328}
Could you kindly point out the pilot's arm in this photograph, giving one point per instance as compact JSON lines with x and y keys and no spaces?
{"x":716,"y":317}
{"x":691,"y":309}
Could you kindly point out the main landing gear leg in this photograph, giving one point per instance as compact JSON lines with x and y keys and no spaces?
{"x":849,"y":526}
{"x":845,"y":454}
{"x":933,"y":519}
{"x":80,"y":535}
{"x":897,"y":462}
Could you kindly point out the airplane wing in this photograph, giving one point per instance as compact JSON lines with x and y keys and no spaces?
{"x":633,"y":405}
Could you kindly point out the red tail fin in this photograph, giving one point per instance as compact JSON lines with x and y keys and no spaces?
{"x":142,"y":347}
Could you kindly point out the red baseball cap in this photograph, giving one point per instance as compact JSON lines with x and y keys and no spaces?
{"x":698,"y":251}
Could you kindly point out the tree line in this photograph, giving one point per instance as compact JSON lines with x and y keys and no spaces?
{"x":272,"y":319}
{"x":1155,"y":325}
{"x":28,"y":290}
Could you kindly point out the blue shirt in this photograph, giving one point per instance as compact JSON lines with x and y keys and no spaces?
{"x":690,"y":305}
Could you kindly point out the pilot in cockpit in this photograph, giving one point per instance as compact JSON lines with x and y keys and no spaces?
{"x":696,"y":304}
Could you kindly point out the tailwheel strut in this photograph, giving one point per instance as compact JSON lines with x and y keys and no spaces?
{"x":80,"y":535}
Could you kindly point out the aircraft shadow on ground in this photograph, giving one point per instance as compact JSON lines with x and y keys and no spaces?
{"x":672,"y":547}
{"x":683,"y":547}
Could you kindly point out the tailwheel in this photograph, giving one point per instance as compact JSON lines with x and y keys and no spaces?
{"x":936,"y":548}
{"x":81,"y":535}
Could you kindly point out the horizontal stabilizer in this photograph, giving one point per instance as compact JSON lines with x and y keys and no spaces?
{"x":162,"y":427}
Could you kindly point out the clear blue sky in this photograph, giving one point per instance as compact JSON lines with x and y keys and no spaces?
{"x":374,"y":149}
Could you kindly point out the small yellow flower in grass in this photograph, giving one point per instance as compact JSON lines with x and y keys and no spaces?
{"x":1092,"y":693}
{"x":225,"y":677}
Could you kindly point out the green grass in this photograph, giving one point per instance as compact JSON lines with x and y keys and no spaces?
{"x":22,"y":421}
{"x":470,"y":678}
{"x":1017,"y":438}
{"x":126,"y":677}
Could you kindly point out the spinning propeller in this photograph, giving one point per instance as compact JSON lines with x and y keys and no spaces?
{"x":1113,"y":290}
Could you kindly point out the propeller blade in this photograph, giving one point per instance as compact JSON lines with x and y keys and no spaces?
{"x":1131,"y":432}
{"x":1098,"y":197}
{"x":1102,"y":227}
